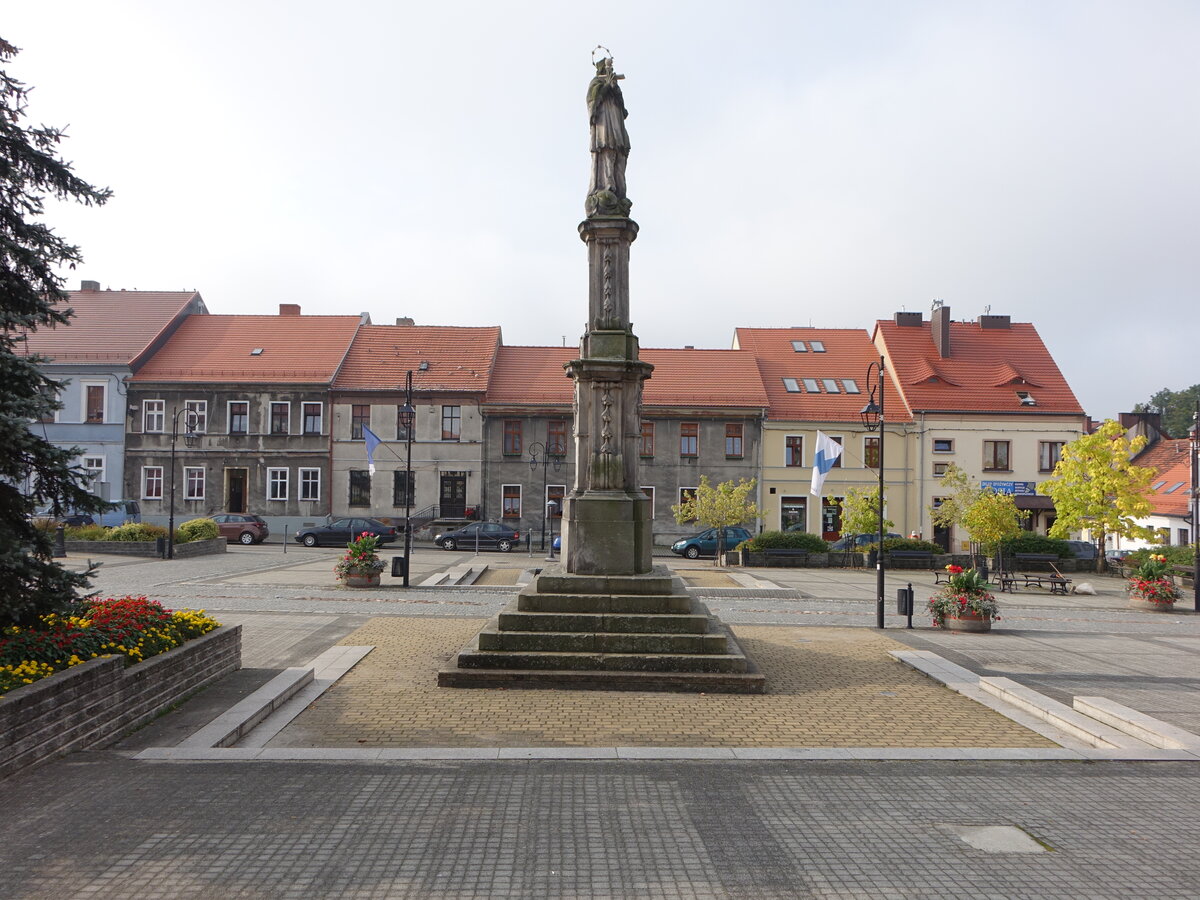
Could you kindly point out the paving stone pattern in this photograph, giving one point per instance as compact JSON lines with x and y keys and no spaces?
{"x":107,"y":827}
{"x":826,"y":688}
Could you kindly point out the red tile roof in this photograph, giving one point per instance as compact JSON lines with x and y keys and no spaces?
{"x":295,"y":349}
{"x":847,"y":355}
{"x":1172,"y":460}
{"x":112,"y":327}
{"x":985,"y":369}
{"x":726,"y":379}
{"x":458,"y":359}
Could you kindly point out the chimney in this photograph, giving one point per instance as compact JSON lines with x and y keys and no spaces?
{"x":994,"y":322}
{"x":908,"y":319}
{"x":89,"y":285}
{"x":1148,"y":424}
{"x":940,"y":326}
{"x":289,"y":309}
{"x":405,"y":320}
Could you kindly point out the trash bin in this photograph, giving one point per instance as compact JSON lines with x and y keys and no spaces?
{"x":399,"y":566}
{"x":160,"y":547}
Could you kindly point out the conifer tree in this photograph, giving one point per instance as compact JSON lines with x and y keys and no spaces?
{"x":33,"y":472}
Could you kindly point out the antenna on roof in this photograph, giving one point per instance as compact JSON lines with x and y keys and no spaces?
{"x":938,"y":303}
{"x":987,"y":310}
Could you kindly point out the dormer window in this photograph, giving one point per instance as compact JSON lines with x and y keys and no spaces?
{"x":1026,"y":398}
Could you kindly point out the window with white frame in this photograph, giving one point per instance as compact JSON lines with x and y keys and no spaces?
{"x":310,"y":484}
{"x":312,"y":417}
{"x":152,"y":482}
{"x":277,"y":484}
{"x":939,"y":469}
{"x":196,"y":416}
{"x":193,"y":479}
{"x":95,"y":399}
{"x":281,"y":417}
{"x":239,"y":417}
{"x":154,"y":416}
{"x":649,"y":492}
{"x":1049,"y":453}
{"x":93,"y":466}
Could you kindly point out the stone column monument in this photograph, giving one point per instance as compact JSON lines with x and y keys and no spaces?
{"x":606,"y":617}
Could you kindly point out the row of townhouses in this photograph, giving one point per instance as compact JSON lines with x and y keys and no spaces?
{"x":265,"y":414}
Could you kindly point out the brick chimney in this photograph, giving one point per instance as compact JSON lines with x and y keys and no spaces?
{"x":403,"y":320}
{"x":939,"y":323}
{"x":289,"y":309}
{"x":908,"y":319}
{"x":89,"y":285}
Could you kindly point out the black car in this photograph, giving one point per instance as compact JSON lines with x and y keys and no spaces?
{"x":343,"y":531}
{"x":77,"y":520}
{"x":484,"y":535}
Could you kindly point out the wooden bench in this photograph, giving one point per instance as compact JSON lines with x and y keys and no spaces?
{"x":1054,"y":580}
{"x":918,"y":558}
{"x":778,"y":558}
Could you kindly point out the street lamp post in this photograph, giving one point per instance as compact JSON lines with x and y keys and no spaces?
{"x":190,"y":438}
{"x":408,"y":418}
{"x":872,"y":418}
{"x":549,"y":456}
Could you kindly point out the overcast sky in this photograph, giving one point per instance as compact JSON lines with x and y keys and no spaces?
{"x":793,"y":163}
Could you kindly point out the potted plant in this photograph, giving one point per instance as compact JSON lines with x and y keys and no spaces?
{"x":1150,"y":587}
{"x":361,"y":565}
{"x":965,"y":603}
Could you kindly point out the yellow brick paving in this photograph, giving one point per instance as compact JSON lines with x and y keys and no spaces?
{"x":706,"y":578}
{"x":828,"y":687}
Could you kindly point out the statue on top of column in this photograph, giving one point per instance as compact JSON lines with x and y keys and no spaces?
{"x":610,"y":143}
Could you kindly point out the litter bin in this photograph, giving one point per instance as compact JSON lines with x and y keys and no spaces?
{"x":399,"y":566}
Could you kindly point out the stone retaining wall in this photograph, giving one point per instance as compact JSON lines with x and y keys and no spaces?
{"x":147,"y":548}
{"x":95,"y":703}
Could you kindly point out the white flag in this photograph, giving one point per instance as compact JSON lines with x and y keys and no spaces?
{"x":828,"y":450}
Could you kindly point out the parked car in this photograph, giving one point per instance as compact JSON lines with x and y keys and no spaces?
{"x":77,"y":520}
{"x":858,"y":541}
{"x":484,"y":535}
{"x":343,"y":531}
{"x":121,"y":512}
{"x":242,"y":528}
{"x":1082,"y":549}
{"x":705,"y":543}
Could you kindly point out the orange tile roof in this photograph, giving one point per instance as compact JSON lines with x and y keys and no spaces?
{"x":985,"y":369}
{"x":848,"y":354}
{"x":726,"y":379}
{"x":1171,"y":457}
{"x":458,"y":358}
{"x":295,"y":349}
{"x":113,"y":327}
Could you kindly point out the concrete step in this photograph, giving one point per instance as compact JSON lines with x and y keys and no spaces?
{"x":551,"y":641}
{"x":531,"y":601}
{"x":601,"y":662}
{"x":653,"y":623}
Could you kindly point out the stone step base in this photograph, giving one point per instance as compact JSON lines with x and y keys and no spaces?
{"x":592,"y":643}
{"x":530,"y":600}
{"x":748,"y":682}
{"x":658,"y":623}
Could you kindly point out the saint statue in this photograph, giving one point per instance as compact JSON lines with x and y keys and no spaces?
{"x":610,"y":143}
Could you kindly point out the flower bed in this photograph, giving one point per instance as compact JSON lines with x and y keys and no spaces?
{"x":1152,"y":583}
{"x":361,"y":563}
{"x":965,"y":596}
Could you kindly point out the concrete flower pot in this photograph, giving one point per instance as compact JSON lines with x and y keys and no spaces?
{"x":362,"y":581}
{"x":974,"y":623}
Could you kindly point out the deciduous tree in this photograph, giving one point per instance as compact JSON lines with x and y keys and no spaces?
{"x":728,"y":503}
{"x":860,"y":512}
{"x":1096,"y":486}
{"x":33,"y":472}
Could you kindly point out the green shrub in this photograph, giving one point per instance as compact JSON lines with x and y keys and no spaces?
{"x":45,"y":523}
{"x":196,"y":530}
{"x":786,"y":540}
{"x":136,"y":531}
{"x":1177,"y":555}
{"x":907,"y":544}
{"x":87,"y":533}
{"x":1037,"y":543}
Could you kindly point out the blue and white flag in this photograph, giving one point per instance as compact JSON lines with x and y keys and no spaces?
{"x":828,"y":450}
{"x":373,"y":441}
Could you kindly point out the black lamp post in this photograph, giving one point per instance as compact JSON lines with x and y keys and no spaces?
{"x":190,"y":438}
{"x":408,"y":418}
{"x":872,"y":418}
{"x":549,"y":456}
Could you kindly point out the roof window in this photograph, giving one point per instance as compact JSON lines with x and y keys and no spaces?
{"x":799,"y":347}
{"x":1173,"y":488}
{"x":810,"y":385}
{"x":1158,"y":485}
{"x":257,"y":351}
{"x":1026,"y":398}
{"x":817,"y":346}
{"x":850,"y":386}
{"x":831,"y":386}
{"x":791,"y":385}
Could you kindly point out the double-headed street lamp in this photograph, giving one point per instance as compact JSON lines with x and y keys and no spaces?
{"x":872,"y":418}
{"x":550,"y":456}
{"x":408,"y":418}
{"x":190,"y":438}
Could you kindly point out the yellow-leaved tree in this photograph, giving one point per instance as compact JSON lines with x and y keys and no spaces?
{"x":1096,"y":486}
{"x":728,"y":503}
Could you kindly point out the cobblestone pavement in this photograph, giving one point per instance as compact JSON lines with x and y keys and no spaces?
{"x":102,"y":826}
{"x":828,"y":687}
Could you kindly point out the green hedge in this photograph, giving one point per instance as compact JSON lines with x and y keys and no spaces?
{"x":1177,"y":555}
{"x":908,"y":544}
{"x":196,"y":530}
{"x":1037,"y":543}
{"x":785,"y":540}
{"x":136,"y":531}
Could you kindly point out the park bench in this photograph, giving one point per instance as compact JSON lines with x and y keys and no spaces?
{"x":916,"y":558}
{"x":784,"y":557}
{"x":1054,"y":580}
